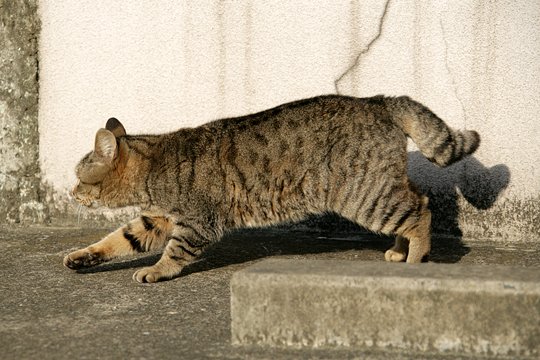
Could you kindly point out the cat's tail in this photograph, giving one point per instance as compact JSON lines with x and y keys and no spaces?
{"x":436,"y":140}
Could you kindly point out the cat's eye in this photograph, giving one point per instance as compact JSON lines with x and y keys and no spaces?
{"x":89,"y":180}
{"x":92,"y":174}
{"x":80,"y":187}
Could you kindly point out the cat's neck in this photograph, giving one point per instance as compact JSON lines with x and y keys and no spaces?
{"x":131,"y":168}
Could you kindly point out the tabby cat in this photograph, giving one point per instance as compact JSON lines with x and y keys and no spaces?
{"x":328,"y":154}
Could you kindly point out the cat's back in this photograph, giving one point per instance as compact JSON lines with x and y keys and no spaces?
{"x":301,"y":112}
{"x":307,"y":122}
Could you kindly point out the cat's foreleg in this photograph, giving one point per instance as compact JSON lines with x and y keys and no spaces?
{"x":147,"y":232}
{"x":186,"y":243}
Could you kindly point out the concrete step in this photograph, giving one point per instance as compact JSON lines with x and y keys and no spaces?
{"x":428,"y":308}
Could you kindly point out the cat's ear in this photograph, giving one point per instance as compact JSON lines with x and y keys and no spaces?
{"x":105,"y":146}
{"x":116,"y":127}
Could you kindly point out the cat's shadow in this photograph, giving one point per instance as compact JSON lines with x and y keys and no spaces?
{"x":480,"y":186}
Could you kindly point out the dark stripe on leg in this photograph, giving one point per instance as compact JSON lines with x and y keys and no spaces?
{"x":133,"y":241}
{"x":417,"y":210}
{"x":196,"y":232}
{"x":185,"y":249}
{"x":183,"y":244}
{"x":189,"y":243}
{"x":148,"y":223}
{"x":403,"y":218}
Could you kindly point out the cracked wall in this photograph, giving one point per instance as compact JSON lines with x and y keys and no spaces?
{"x":161,"y":66}
{"x":19,"y":167}
{"x":476,"y":65}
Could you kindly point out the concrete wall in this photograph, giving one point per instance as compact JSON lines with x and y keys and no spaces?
{"x":20,"y":199}
{"x":161,"y":65}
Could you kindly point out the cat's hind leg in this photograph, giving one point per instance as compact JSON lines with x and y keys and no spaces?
{"x":402,"y":212}
{"x":186,"y":243}
{"x":147,"y":232}
{"x":413,"y":230}
{"x":419,"y":236}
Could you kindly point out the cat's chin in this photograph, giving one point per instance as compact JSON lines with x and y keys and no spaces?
{"x":96,"y":204}
{"x":90,"y":204}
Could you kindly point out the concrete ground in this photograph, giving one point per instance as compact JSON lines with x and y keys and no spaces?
{"x":50,"y":312}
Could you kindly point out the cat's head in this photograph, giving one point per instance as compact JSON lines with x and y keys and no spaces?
{"x":97,"y":167}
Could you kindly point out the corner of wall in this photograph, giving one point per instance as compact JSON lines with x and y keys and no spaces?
{"x":20,"y":192}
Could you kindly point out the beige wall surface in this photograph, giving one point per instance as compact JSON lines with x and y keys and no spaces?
{"x":161,"y":65}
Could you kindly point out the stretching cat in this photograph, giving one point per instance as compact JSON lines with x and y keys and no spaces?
{"x":326,"y":154}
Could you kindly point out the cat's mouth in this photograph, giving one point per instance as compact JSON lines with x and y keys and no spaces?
{"x":87,"y":202}
{"x":92,"y":204}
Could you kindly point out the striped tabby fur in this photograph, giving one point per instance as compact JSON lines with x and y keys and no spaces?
{"x":326,"y":154}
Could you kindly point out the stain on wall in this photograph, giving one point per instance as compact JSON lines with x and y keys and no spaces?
{"x":19,"y":137}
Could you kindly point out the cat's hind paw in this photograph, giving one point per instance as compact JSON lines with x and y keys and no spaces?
{"x":394,"y":256}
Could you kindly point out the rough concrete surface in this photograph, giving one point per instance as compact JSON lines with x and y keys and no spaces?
{"x":50,"y":312}
{"x":437,"y":308}
{"x":19,"y":138}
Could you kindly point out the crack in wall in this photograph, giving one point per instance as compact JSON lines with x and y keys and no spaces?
{"x":356,"y":62}
{"x":464,"y":169}
{"x":451,"y":74}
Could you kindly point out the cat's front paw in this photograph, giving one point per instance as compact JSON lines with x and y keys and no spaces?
{"x":156,"y":273}
{"x":82,"y":258}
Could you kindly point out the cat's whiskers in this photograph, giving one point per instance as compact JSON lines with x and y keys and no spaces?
{"x":79,"y":214}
